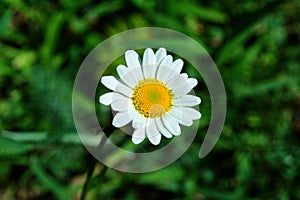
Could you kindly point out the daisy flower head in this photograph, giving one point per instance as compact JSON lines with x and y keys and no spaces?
{"x":152,"y":95}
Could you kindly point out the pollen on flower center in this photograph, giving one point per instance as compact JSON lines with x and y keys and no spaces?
{"x":152,"y":98}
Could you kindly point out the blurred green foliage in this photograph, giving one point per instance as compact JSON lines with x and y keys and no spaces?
{"x":256,"y":45}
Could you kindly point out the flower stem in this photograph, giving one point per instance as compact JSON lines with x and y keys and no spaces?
{"x":90,"y":172}
{"x":91,"y":169}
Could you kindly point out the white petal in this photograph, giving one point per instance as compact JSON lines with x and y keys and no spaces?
{"x":181,"y":90}
{"x":122,"y":70}
{"x":155,"y":139}
{"x":121,"y":119}
{"x":177,"y":65}
{"x":166,"y":133}
{"x":185,"y":115}
{"x":131,"y":110}
{"x":167,"y":70}
{"x":149,"y":71}
{"x":110,"y":82}
{"x":165,"y":74}
{"x":184,"y":76}
{"x":120,"y":105}
{"x":173,"y":83}
{"x":159,"y":123}
{"x":133,"y":77}
{"x":160,"y":54}
{"x":149,"y":57}
{"x":106,"y":98}
{"x":137,"y":74}
{"x":192,"y":82}
{"x":149,"y":63}
{"x":111,"y":97}
{"x":190,"y":113}
{"x":177,"y":113}
{"x":130,"y":80}
{"x":171,"y":124}
{"x":132,"y":59}
{"x":123,"y":89}
{"x":167,"y":61}
{"x":152,"y":132}
{"x":117,"y":96}
{"x":180,"y":86}
{"x":138,"y":121}
{"x":124,"y":74}
{"x":187,"y":100}
{"x":138,"y":136}
{"x":162,"y":129}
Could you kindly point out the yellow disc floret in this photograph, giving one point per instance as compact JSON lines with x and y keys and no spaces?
{"x":152,"y":98}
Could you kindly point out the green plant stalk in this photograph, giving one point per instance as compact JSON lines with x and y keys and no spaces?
{"x":91,"y":169}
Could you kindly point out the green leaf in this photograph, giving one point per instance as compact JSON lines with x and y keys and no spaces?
{"x":25,"y":136}
{"x":9,"y":147}
{"x":265,"y":86}
{"x":194,"y":9}
{"x":47,"y":181}
{"x":217,"y":194}
{"x":103,"y":9}
{"x":52,"y":36}
{"x":210,"y":14}
{"x":4,"y":22}
{"x":169,"y":178}
{"x":234,"y":46}
{"x":244,"y":171}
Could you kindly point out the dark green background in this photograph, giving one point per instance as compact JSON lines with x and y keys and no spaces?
{"x":255,"y":45}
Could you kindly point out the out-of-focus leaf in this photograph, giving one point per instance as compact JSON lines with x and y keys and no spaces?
{"x":18,"y":4}
{"x":9,"y":147}
{"x":244,"y":171}
{"x":265,"y":86}
{"x":103,"y":9}
{"x":169,"y":178}
{"x":66,"y":138}
{"x":209,"y":14}
{"x":24,"y":59}
{"x":4,"y":22}
{"x":196,"y":9}
{"x":233,"y":46}
{"x":47,"y":181}
{"x":142,"y":5}
{"x":52,"y":36}
{"x":210,"y":193}
{"x":25,"y":136}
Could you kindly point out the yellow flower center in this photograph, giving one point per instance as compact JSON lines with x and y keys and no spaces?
{"x":152,"y":98}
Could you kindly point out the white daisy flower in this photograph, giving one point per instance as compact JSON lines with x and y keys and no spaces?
{"x":152,"y":95}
